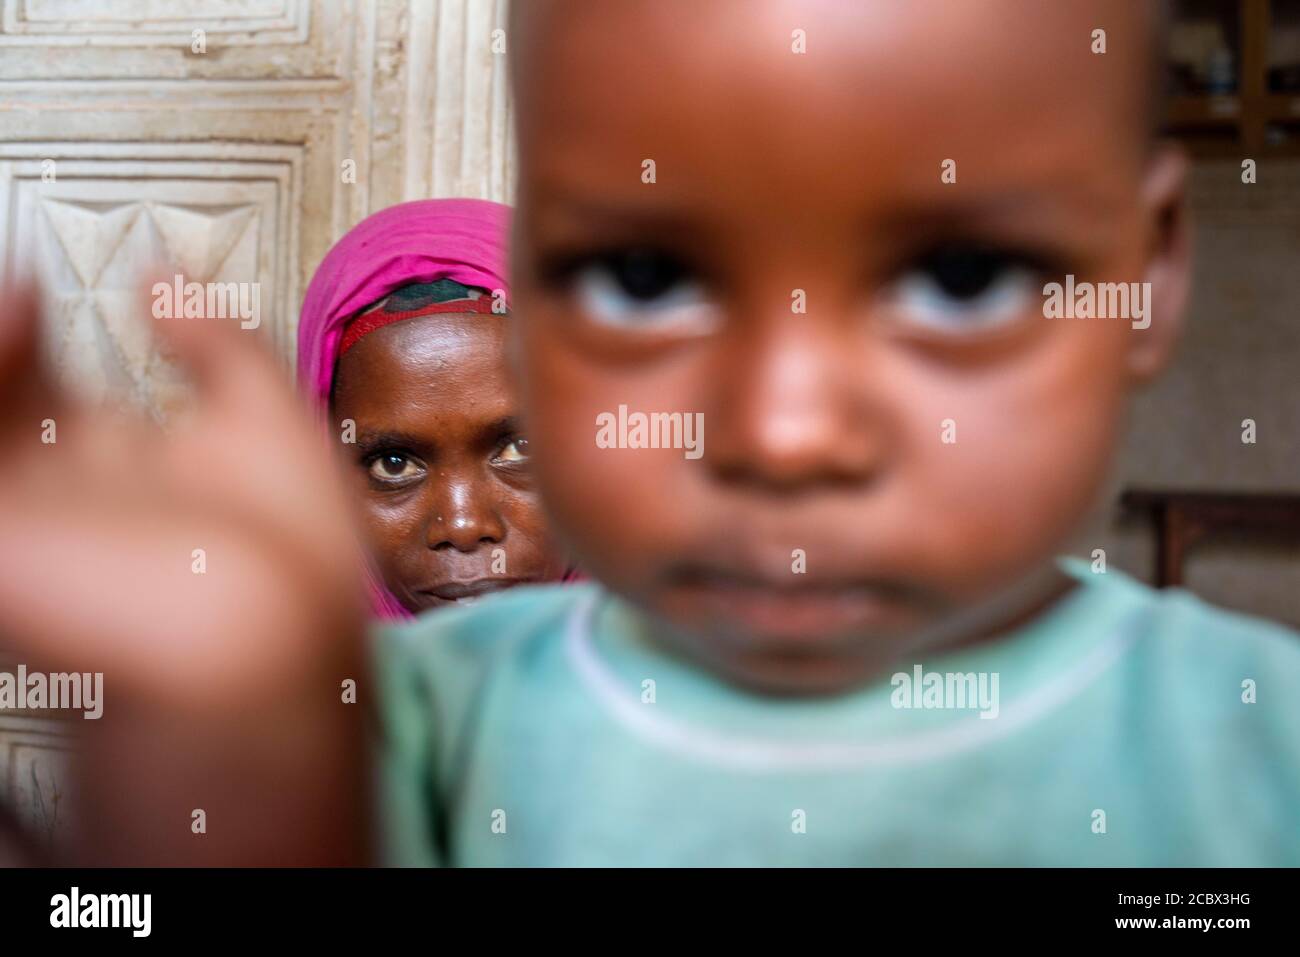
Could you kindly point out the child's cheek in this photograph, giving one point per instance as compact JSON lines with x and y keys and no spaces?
{"x":621,"y":509}
{"x":1032,"y":444}
{"x":985,"y":475}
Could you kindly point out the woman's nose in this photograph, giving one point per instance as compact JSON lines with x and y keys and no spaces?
{"x":463,"y":515}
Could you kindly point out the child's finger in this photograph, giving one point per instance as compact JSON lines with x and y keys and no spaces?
{"x":204,"y":347}
{"x":231,"y":367}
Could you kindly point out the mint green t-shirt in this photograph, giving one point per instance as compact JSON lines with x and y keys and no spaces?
{"x":1126,"y":727}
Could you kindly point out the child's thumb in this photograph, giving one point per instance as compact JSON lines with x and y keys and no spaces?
{"x":224,"y":361}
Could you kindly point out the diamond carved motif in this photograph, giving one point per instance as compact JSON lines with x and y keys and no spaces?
{"x":92,"y":233}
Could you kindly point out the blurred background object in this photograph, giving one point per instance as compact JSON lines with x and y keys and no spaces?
{"x":35,"y":748}
{"x":1233,"y":74}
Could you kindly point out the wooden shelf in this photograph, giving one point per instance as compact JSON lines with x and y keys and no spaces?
{"x":1281,"y":107}
{"x":1201,"y":111}
{"x":1238,"y":123}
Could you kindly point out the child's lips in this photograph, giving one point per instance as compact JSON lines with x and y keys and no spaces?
{"x":798,"y":611}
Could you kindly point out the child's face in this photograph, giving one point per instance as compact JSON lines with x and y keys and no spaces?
{"x":439,"y":464}
{"x":921,"y":433}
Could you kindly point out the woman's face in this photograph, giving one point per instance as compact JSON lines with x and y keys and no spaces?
{"x":439,"y":464}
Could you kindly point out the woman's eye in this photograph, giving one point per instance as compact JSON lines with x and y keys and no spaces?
{"x":394,"y":467}
{"x":641,"y":289}
{"x":965,"y":290}
{"x":515,"y":451}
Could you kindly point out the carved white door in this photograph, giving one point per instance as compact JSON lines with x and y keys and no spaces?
{"x":234,"y":141}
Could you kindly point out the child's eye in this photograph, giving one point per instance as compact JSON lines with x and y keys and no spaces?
{"x":394,"y":468}
{"x":964,"y":289}
{"x":514,"y":452}
{"x":641,"y":288}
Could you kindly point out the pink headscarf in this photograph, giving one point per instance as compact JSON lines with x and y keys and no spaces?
{"x":418,"y":242}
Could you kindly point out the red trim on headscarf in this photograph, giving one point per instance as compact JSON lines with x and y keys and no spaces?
{"x":371,"y":321}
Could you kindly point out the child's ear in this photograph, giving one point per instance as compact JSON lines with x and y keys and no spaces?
{"x":1169,"y":262}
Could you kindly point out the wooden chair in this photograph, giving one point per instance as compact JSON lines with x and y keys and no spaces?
{"x":1185,"y":518}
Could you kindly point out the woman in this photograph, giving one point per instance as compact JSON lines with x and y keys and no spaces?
{"x":402,"y":345}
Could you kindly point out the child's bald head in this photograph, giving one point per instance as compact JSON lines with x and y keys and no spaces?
{"x":827,"y":227}
{"x":1138,"y":28}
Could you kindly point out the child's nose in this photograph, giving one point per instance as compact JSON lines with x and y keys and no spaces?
{"x":463,"y":516}
{"x":788,"y":409}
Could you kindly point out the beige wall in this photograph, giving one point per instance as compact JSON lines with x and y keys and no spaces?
{"x":1240,"y":359}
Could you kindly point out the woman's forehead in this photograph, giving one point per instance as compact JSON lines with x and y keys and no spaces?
{"x":442,"y":355}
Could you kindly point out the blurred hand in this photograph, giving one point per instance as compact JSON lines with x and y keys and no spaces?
{"x":222,"y":668}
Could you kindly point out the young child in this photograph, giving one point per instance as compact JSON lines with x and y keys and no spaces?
{"x":826,"y":229}
{"x":402,"y":334}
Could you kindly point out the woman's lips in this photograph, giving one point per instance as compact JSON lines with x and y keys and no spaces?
{"x":466,"y":592}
